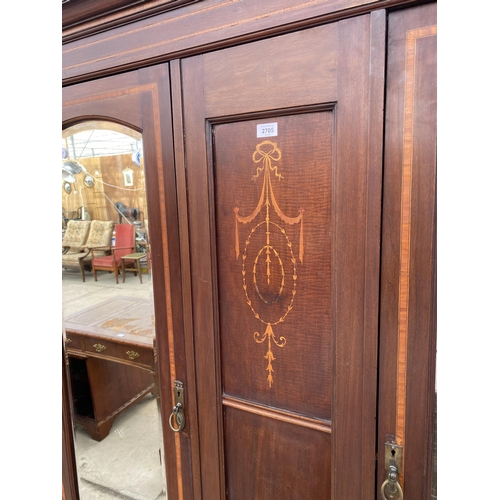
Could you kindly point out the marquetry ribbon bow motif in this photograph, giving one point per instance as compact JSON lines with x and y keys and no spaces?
{"x":265,"y":153}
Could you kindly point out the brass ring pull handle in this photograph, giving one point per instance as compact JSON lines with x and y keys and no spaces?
{"x":391,"y":495}
{"x":391,"y":484}
{"x":179,"y":417}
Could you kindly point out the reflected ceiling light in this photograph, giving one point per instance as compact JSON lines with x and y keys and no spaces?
{"x":73,"y":167}
{"x":70,"y":168}
{"x":67,"y":176}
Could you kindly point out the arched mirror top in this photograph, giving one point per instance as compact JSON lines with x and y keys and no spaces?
{"x":100,"y":125}
{"x":100,"y":138}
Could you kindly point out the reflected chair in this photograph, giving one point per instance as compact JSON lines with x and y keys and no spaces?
{"x":73,"y":242}
{"x":124,"y":245}
{"x":98,"y":244}
{"x":75,"y":236}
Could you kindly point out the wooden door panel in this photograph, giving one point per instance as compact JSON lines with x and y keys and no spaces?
{"x":116,"y":99}
{"x":260,"y":451}
{"x":275,"y":261}
{"x":267,"y":73}
{"x":408,"y":284}
{"x":313,"y":326}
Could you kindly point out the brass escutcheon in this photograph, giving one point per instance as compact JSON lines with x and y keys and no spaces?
{"x":132,"y":354}
{"x":68,"y":340}
{"x":99,"y":347}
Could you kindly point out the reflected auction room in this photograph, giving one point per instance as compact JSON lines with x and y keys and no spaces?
{"x":248,"y":250}
{"x":104,"y":226}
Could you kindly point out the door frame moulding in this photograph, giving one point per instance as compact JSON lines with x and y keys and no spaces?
{"x":81,"y":21}
{"x":197,"y":43}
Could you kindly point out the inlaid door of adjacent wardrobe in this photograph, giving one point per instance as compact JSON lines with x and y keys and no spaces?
{"x":408,"y":260}
{"x":281,"y":172}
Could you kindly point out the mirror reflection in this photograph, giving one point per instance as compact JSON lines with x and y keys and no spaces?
{"x":108,"y":314}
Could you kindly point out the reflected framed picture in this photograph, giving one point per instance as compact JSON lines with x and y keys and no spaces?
{"x":88,"y":181}
{"x":67,"y":187}
{"x":128,"y":177}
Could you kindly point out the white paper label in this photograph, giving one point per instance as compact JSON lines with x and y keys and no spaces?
{"x":267,"y":130}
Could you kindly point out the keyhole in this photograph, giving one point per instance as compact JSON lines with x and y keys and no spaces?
{"x":393,"y":453}
{"x":178,"y":394}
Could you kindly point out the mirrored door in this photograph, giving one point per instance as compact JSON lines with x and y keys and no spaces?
{"x":108,"y":310}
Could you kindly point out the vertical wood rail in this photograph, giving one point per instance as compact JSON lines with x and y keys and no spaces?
{"x":412,"y":36}
{"x":166,"y":270}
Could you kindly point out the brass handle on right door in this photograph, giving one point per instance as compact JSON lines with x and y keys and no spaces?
{"x":391,"y":485}
{"x":391,"y":489}
{"x":178,"y":409}
{"x":179,"y":418}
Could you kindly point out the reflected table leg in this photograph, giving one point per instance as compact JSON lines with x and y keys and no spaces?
{"x":136,"y":261}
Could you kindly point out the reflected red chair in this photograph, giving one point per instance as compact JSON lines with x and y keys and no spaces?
{"x":124,"y":245}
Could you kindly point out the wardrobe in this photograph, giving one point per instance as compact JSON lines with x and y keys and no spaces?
{"x":290,"y":161}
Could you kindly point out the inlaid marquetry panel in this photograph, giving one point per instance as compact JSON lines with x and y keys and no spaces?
{"x":274,"y":246}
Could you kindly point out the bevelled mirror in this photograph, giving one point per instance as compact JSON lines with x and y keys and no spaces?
{"x":108,"y":314}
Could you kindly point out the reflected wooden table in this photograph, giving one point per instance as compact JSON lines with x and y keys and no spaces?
{"x":135,"y":259}
{"x":112,"y":360}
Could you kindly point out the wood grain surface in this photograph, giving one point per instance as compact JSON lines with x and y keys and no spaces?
{"x":408,"y":324}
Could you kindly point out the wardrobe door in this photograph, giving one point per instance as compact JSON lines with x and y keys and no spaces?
{"x":282,"y":168}
{"x":408,"y":274}
{"x":140,"y":100}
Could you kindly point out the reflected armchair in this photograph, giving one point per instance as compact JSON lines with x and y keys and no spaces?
{"x":75,"y":236}
{"x":124,"y":245}
{"x":97,"y":244}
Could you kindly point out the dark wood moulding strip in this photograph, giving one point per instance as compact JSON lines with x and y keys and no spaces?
{"x":78,"y":27}
{"x":302,"y":421}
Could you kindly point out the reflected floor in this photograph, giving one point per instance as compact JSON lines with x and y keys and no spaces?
{"x":77,"y":295}
{"x":126,"y":465}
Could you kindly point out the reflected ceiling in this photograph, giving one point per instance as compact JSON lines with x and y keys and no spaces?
{"x":91,"y":143}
